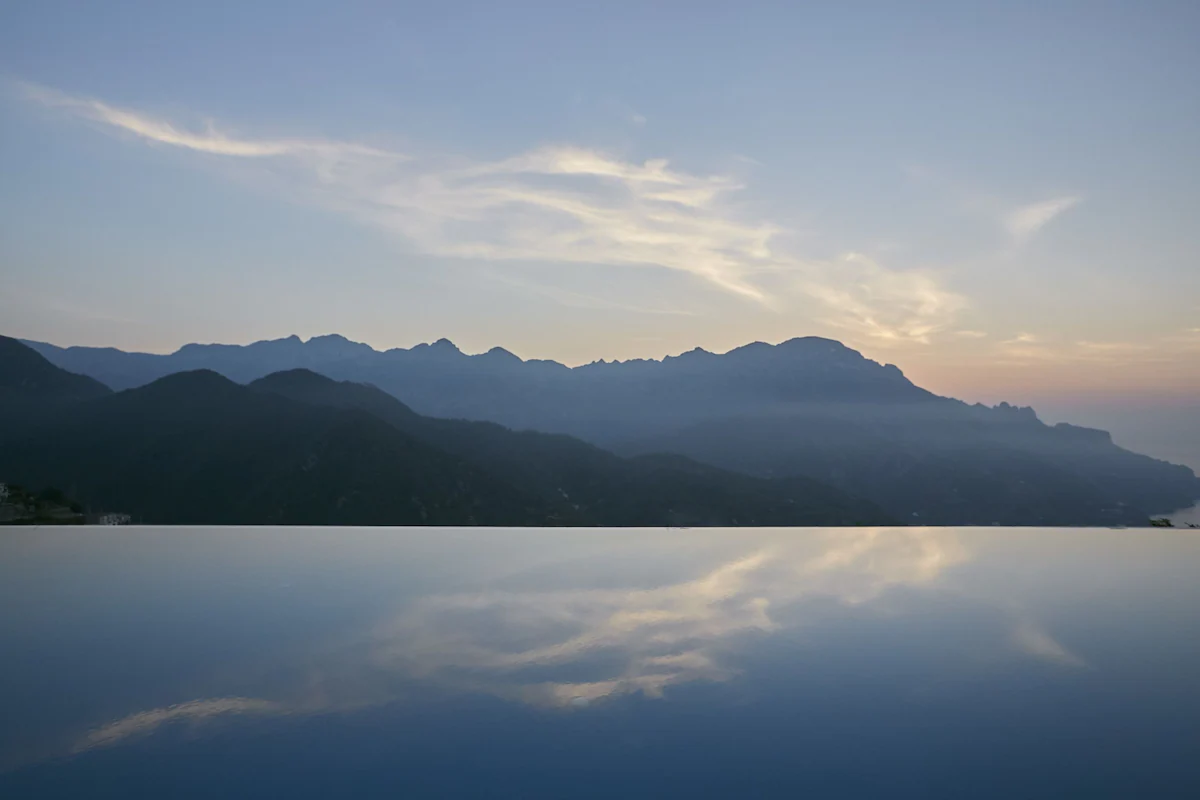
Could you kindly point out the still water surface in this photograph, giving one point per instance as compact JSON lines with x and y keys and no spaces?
{"x":907,"y":662}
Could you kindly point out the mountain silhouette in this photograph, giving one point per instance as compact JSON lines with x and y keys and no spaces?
{"x":28,"y":377}
{"x":34,"y":391}
{"x":605,"y":402}
{"x":298,"y":448}
{"x":596,"y":484}
{"x":805,"y":408}
{"x":197,"y":448}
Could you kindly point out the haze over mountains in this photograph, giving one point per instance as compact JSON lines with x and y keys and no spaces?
{"x":608,"y":402}
{"x":299,"y":448}
{"x":807,"y":408}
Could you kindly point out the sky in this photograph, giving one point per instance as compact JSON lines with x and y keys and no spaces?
{"x":1000,"y":198}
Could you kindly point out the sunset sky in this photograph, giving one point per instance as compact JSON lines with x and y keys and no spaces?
{"x":1001,"y":198}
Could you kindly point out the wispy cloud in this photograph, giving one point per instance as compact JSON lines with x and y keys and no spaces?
{"x":572,"y":205}
{"x":148,"y":721}
{"x":1027,"y":348}
{"x":970,"y":334}
{"x":1021,"y":338}
{"x":568,"y":205}
{"x":1028,"y":220}
{"x":1021,"y":223}
{"x":1114,"y":348}
{"x":885,"y":305}
{"x":575,"y":299}
{"x":1034,"y":640}
{"x":210,"y":140}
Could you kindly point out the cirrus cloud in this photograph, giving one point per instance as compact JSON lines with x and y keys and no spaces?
{"x":1028,"y":220}
{"x":565,"y":205}
{"x":210,"y":140}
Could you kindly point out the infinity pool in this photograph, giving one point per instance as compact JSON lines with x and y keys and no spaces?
{"x":330,"y":662}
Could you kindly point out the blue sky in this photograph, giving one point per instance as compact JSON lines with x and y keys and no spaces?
{"x":999,"y":197}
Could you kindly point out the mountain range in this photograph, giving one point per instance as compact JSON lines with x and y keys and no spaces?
{"x":808,"y":408}
{"x":296,"y":447}
{"x":606,"y":402}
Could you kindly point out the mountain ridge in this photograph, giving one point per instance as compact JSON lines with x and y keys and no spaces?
{"x":342,"y":346}
{"x":807,"y":407}
{"x":553,"y":466}
{"x":32,"y":390}
{"x":299,"y":448}
{"x":440,"y":380}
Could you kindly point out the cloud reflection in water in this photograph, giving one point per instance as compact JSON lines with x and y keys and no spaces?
{"x":566,"y":648}
{"x":651,"y":638}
